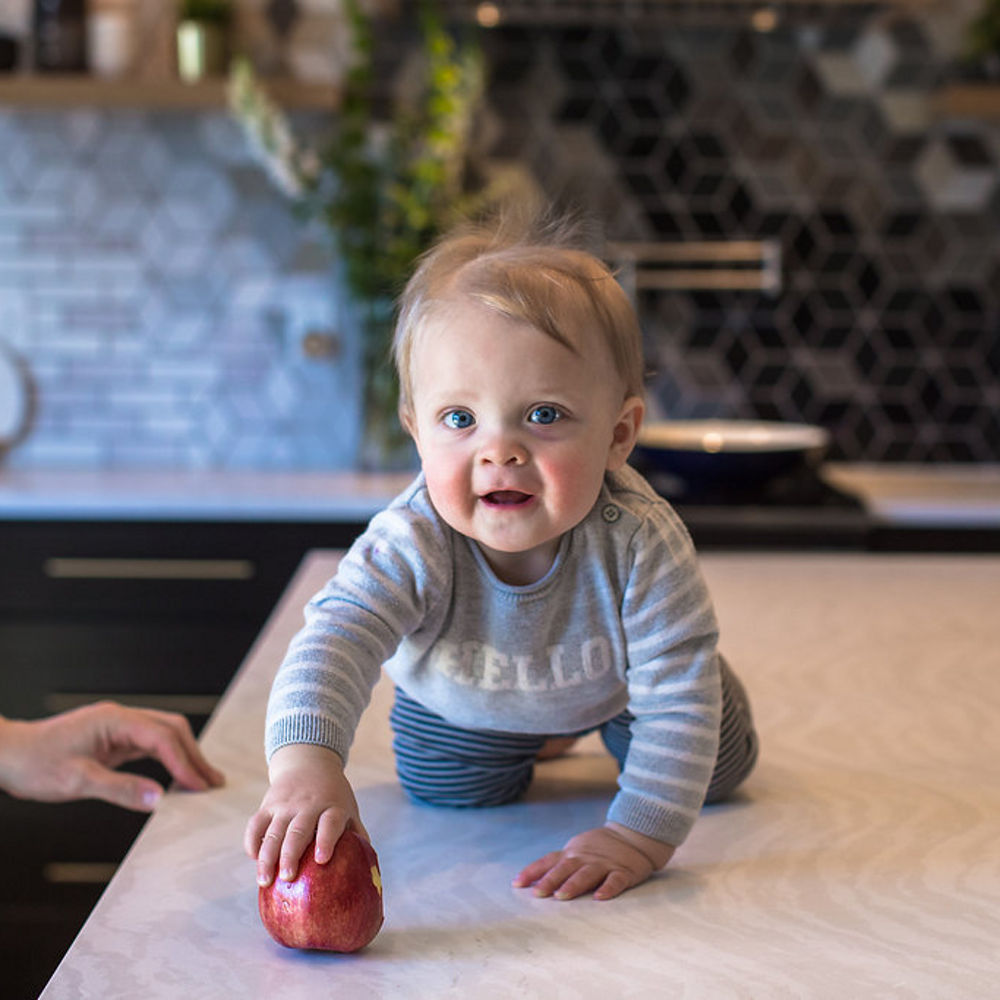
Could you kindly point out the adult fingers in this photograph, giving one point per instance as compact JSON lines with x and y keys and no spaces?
{"x":127,"y":790}
{"x":168,"y":737}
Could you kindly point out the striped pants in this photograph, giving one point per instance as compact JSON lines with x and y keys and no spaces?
{"x":445,"y":765}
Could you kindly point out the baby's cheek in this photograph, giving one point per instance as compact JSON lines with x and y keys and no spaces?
{"x":450,"y":495}
{"x":578,"y":484}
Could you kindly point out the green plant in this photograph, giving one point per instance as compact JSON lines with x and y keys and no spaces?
{"x":385,"y":187}
{"x":982,"y":35}
{"x":205,"y":11}
{"x":386,"y":192}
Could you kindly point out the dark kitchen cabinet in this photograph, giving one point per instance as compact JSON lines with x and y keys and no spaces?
{"x":152,"y":613}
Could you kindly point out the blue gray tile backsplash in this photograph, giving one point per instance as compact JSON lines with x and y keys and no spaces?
{"x":159,"y":289}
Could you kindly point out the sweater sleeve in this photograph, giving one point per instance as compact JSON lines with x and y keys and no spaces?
{"x":352,"y":626}
{"x":673,"y":684}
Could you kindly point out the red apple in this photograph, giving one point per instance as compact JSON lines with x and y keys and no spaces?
{"x":332,"y":907}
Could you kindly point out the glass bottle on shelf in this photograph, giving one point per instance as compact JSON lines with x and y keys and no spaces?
{"x":60,"y":39}
{"x":110,"y":37}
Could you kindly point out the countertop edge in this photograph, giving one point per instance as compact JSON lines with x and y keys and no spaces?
{"x":945,"y":495}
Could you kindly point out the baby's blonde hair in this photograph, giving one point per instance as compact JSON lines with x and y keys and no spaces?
{"x":529,"y":272}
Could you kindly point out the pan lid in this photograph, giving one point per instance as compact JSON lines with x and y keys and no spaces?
{"x":732,"y":436}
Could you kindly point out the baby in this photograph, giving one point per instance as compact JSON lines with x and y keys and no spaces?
{"x":528,"y":587}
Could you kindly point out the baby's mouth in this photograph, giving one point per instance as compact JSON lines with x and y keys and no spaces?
{"x":506,"y":498}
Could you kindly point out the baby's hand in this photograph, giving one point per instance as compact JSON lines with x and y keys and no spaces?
{"x":308,"y":796}
{"x":610,"y":859}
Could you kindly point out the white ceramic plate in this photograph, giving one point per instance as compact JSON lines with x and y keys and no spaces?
{"x":13,"y":399}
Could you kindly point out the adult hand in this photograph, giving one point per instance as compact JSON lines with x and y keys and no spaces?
{"x":73,"y":755}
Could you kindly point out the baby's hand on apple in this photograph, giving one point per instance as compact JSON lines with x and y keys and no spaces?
{"x":609,"y":860}
{"x":308,"y":796}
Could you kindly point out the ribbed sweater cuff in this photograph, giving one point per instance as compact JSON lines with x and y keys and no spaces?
{"x":669,"y":826}
{"x":314,"y":729}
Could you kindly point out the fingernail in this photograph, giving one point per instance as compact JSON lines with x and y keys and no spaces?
{"x":263,"y":879}
{"x":287,"y":875}
{"x":149,"y":798}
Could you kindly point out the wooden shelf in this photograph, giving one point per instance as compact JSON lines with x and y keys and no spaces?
{"x":57,"y":92}
{"x":969,"y":100}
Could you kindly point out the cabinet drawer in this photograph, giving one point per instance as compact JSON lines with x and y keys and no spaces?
{"x":63,"y":844}
{"x":41,"y":661}
{"x":150,"y":570}
{"x":154,"y":569}
{"x":59,"y":859}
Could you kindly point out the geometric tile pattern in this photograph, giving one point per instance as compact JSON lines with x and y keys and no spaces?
{"x":159,"y":289}
{"x":887,"y":327}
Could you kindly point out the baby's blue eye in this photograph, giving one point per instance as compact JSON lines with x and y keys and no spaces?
{"x":459,"y":419}
{"x":544,"y":415}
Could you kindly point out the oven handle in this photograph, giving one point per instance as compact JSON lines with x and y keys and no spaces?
{"x":693,"y":265}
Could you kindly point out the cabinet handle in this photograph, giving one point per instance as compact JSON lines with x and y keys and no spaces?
{"x":694,"y":264}
{"x":79,"y":872}
{"x":60,"y":568}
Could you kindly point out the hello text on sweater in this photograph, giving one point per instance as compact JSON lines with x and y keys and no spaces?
{"x":478,"y":664}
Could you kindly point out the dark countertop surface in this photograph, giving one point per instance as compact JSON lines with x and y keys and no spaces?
{"x":944,"y":506}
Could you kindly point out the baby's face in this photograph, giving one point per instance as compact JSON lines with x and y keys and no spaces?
{"x":515,"y":432}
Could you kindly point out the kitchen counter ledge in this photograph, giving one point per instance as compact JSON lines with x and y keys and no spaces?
{"x":861,"y":856}
{"x":234,"y":495}
{"x":915,"y":495}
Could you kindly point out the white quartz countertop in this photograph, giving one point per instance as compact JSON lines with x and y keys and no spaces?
{"x":950,"y":495}
{"x":943,"y":495}
{"x":860,"y":860}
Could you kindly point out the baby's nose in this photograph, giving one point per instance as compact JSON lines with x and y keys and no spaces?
{"x":503,"y":448}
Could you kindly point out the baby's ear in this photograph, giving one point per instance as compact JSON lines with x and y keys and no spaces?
{"x":405,"y":415}
{"x":626,"y":431}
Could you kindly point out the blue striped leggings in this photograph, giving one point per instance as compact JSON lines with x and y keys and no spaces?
{"x":447,"y":765}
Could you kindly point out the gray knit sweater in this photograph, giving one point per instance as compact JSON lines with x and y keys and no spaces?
{"x":621,"y":620}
